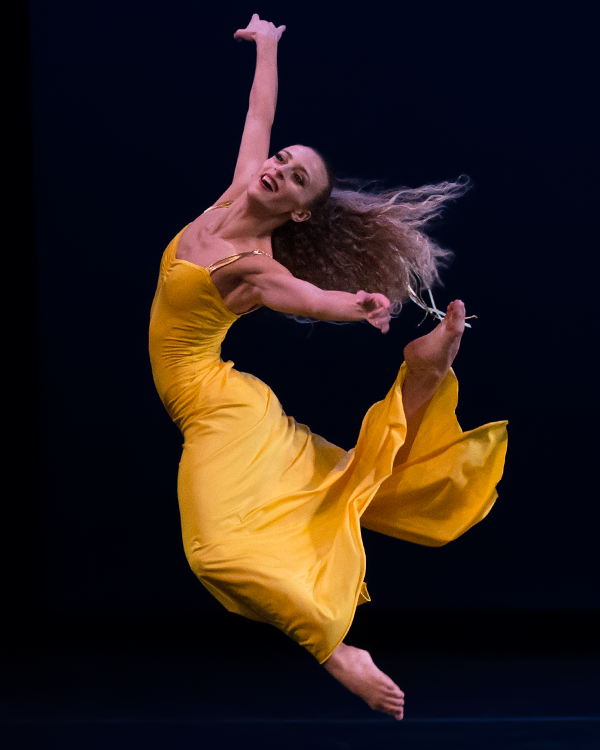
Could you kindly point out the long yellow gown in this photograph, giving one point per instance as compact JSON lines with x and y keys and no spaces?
{"x":271,"y":513}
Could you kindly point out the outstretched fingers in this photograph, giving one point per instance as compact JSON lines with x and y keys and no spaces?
{"x":257,"y":27}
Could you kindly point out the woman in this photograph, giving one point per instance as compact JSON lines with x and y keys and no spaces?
{"x":271,"y":513}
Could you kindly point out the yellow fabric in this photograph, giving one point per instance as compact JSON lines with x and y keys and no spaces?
{"x":270,"y":512}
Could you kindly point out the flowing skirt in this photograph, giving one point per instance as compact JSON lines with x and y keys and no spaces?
{"x":272,"y":513}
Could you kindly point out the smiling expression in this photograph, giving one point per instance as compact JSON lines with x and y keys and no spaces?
{"x":290,"y":180}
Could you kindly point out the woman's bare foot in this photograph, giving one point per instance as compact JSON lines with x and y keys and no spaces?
{"x":354,"y":668}
{"x":434,"y":353}
{"x":428,"y":359}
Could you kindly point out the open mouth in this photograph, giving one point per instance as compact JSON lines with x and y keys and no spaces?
{"x":268,"y":183}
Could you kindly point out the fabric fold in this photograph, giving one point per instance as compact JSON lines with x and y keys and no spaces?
{"x":271,"y":513}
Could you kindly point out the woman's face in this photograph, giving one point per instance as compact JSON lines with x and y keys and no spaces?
{"x":289,"y":181}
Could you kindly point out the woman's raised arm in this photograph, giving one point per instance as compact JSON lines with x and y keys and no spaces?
{"x":254,"y":149}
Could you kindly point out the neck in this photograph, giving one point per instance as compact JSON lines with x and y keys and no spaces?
{"x":246,"y":218}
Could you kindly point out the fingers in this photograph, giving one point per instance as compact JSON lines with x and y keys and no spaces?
{"x":380,"y":318}
{"x":378,"y":315}
{"x":377,"y":309}
{"x":247,"y":33}
{"x":257,"y":27}
{"x":380,"y":321}
{"x":372,"y":301}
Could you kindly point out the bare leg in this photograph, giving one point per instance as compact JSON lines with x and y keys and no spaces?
{"x":355,"y":669}
{"x":428,"y":359}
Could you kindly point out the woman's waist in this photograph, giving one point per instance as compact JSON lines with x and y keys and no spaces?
{"x":176,"y":348}
{"x":178,"y":374}
{"x":192,"y":394}
{"x":180,"y":384}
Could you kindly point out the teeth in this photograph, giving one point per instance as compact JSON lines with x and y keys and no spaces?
{"x":268,"y":182}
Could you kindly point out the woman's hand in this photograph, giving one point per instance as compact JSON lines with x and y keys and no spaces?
{"x":256,"y":27}
{"x":376,"y":308}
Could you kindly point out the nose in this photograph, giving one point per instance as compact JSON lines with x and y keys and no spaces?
{"x":279,"y":172}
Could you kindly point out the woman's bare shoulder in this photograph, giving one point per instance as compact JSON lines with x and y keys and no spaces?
{"x":260,"y":263}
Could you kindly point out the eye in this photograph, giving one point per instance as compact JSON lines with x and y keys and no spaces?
{"x":299,"y":179}
{"x":279,"y":157}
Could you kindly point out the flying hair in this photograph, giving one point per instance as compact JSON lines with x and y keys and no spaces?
{"x":361,"y":237}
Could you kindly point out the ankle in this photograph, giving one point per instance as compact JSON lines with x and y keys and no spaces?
{"x":424,"y":374}
{"x":336,"y":660}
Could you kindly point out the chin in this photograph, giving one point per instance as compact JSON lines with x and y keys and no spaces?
{"x":257,"y":194}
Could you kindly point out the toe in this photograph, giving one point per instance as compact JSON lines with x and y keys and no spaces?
{"x":397,"y":692}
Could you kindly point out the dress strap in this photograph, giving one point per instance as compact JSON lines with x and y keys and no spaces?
{"x":223,"y":204}
{"x":232,"y":258}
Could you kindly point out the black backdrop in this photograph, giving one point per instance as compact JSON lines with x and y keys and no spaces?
{"x":138,"y":110}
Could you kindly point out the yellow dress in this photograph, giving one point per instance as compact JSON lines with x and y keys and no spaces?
{"x":270,"y":512}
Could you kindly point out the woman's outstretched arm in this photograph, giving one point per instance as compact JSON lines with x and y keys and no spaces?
{"x":275,"y":287}
{"x":254,"y":149}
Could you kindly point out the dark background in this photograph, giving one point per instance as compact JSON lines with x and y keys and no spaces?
{"x":137,"y":111}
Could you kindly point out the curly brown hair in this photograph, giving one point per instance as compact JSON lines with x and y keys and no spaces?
{"x":371,"y":240}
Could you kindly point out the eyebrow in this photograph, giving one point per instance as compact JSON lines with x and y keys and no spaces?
{"x":291,"y":156}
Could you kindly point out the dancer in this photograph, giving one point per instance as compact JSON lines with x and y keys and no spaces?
{"x":271,"y":513}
